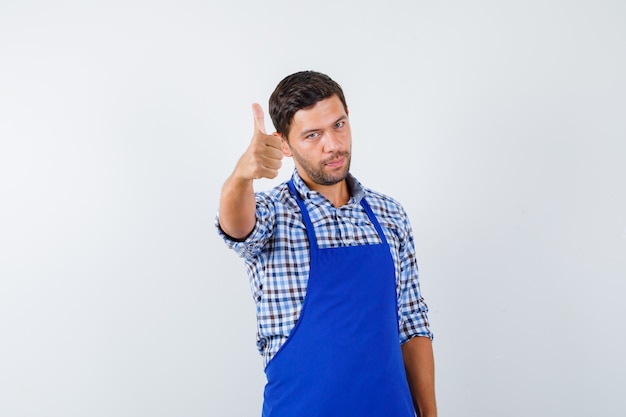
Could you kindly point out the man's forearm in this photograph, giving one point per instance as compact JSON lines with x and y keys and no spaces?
{"x":237,"y":208}
{"x":419,"y":364}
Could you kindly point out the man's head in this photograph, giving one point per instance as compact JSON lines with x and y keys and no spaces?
{"x":300,"y":91}
{"x":311,"y":117}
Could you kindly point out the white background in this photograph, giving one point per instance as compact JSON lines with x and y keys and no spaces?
{"x":499,"y":125}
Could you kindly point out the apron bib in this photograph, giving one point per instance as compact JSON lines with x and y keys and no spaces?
{"x":343,"y":357}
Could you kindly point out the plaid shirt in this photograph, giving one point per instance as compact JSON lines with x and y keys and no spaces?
{"x":276,"y":255}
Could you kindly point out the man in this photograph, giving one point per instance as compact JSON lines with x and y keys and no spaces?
{"x":341,"y":323}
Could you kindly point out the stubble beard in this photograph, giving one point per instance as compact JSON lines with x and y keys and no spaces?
{"x":318,"y":175}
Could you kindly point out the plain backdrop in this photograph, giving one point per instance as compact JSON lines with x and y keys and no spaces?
{"x":499,"y":125}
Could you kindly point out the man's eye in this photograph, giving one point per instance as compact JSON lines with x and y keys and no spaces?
{"x":339,"y":124}
{"x":311,"y":135}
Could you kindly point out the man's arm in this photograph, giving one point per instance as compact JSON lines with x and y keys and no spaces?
{"x":262,"y":159}
{"x":419,"y":364}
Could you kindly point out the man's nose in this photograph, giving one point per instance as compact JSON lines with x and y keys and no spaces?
{"x":332,"y":141}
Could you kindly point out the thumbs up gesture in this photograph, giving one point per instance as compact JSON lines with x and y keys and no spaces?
{"x":264,"y":155}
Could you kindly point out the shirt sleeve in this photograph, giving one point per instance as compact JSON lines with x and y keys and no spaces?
{"x":252,"y":245}
{"x":413,"y":310}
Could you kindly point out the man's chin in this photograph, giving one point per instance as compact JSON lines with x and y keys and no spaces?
{"x":332,"y":179}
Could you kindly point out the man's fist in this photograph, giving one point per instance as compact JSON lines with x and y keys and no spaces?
{"x":264,"y":155}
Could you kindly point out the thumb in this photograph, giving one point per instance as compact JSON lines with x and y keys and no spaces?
{"x":259,"y":118}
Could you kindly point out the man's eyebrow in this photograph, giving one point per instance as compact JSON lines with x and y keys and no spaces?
{"x":307,"y":131}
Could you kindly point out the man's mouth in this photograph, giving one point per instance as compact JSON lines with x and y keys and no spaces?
{"x":335,"y":163}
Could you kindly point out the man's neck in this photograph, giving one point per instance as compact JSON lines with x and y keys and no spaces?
{"x":338,"y":194}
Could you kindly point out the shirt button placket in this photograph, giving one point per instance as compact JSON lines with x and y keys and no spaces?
{"x":345,"y":227}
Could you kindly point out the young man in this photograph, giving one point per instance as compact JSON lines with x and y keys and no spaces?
{"x":341,"y":323}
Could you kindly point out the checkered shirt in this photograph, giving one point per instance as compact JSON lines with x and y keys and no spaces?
{"x":276,"y":255}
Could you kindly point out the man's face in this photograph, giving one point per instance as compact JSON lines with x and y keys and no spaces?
{"x":320,"y":142}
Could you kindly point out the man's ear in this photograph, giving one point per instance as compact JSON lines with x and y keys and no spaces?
{"x":285,"y":144}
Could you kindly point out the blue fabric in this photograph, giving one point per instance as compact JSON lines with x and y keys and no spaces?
{"x":343,"y":357}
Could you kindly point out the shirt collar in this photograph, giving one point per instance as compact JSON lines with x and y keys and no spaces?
{"x":357,"y":192}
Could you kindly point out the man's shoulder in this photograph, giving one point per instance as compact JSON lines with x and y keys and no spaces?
{"x":278,"y":194}
{"x":390,"y":213}
{"x":381,"y":201}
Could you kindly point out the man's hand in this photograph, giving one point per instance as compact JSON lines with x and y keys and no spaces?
{"x":264,"y":155}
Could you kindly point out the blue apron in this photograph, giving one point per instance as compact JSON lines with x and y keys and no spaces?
{"x":343,"y":357}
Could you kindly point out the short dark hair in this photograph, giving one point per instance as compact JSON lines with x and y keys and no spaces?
{"x":300,"y":91}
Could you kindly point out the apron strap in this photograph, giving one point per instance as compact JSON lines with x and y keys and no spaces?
{"x":305,"y":217}
{"x":373,"y":219}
